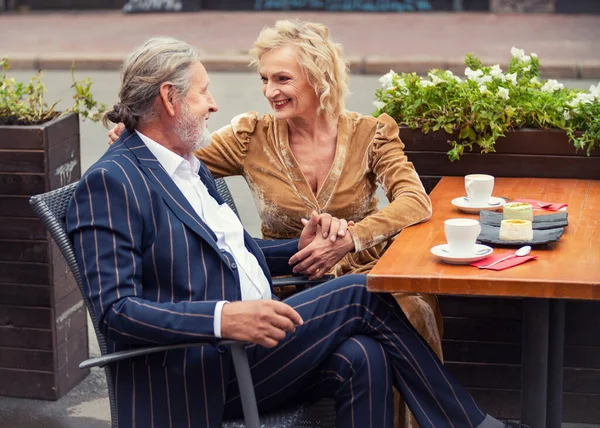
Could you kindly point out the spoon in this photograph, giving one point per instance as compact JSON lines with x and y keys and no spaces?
{"x":523,"y":251}
{"x":490,"y":204}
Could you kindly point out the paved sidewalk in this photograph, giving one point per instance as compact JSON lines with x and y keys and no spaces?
{"x":568,"y":45}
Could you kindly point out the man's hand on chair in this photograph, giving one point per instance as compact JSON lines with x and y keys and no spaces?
{"x":264,"y":322}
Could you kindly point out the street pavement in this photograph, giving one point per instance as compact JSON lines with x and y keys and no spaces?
{"x":567,"y":45}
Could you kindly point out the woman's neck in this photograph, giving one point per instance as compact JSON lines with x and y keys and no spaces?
{"x":313,"y":127}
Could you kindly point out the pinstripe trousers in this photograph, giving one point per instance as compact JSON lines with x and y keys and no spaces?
{"x":353,"y":346}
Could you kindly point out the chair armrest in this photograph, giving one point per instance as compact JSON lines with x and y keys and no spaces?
{"x":301,"y":280}
{"x":103,"y":360}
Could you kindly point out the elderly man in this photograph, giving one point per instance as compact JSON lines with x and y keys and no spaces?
{"x":165,"y":261}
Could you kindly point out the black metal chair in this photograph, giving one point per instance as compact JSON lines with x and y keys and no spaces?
{"x":51,"y":208}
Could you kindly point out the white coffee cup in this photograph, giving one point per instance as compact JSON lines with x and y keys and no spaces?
{"x":461,"y":235}
{"x":479,"y":188}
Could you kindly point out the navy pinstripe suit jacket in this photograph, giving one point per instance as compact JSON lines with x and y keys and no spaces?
{"x":153,"y":272}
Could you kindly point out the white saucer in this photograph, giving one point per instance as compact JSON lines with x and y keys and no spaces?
{"x":463,"y":204}
{"x":479,"y":252}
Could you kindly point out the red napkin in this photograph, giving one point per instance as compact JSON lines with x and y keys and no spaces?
{"x":508,"y":263}
{"x":541,"y":205}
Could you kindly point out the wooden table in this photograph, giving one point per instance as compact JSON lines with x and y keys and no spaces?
{"x":567,"y":269}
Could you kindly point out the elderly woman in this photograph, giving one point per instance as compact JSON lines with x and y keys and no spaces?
{"x":311,"y":154}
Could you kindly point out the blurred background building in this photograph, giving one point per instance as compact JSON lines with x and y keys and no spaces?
{"x":392,"y":6}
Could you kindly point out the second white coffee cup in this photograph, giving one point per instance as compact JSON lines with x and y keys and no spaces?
{"x":479,"y":188}
{"x":461,"y":235}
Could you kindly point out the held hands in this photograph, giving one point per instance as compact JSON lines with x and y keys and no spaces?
{"x":331,"y":228}
{"x":264,"y":322}
{"x":115,"y":132}
{"x":320,"y":255}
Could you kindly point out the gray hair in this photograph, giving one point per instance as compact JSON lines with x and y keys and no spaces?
{"x":156,"y":61}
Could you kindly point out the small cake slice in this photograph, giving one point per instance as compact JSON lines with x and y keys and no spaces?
{"x":516,"y":230}
{"x":518,"y":211}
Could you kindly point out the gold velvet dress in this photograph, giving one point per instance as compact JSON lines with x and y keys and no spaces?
{"x":368,"y":152}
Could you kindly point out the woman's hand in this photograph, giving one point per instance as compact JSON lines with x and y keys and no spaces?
{"x":115,"y":132}
{"x":330,"y":228}
{"x":316,"y":258}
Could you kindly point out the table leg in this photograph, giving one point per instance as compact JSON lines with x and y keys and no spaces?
{"x":534,"y":371}
{"x":556,"y":354}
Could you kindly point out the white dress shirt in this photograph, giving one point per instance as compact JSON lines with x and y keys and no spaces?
{"x":219,"y":218}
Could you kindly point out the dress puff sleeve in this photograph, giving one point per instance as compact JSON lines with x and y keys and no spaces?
{"x":409,"y":203}
{"x":226,"y":153}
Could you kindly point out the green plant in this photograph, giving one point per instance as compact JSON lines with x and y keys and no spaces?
{"x":24,"y":104}
{"x":488,"y":103}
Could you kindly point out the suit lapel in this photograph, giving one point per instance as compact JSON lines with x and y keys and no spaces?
{"x":169,"y":191}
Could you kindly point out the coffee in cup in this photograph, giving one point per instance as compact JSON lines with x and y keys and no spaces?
{"x":461,"y":235}
{"x":479,"y":188}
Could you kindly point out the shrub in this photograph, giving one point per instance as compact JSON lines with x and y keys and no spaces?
{"x":24,"y":104}
{"x":488,"y":103}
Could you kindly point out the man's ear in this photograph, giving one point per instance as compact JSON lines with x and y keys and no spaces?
{"x":167,"y":98}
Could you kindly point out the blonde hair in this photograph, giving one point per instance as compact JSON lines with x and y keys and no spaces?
{"x":156,"y":61}
{"x":318,"y":56}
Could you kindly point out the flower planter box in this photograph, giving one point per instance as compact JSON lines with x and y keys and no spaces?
{"x":522,"y":153}
{"x":482,"y":337}
{"x":43,"y":321}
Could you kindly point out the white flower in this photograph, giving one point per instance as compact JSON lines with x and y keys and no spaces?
{"x":552,"y":86}
{"x":527,"y":68}
{"x":496,"y":72}
{"x":534,"y":79}
{"x":595,"y":91}
{"x":581,"y":99}
{"x":517,"y":53}
{"x":525,"y":58}
{"x":426,"y":83}
{"x":503,"y":93}
{"x":387,"y":80}
{"x":458,"y":79}
{"x":378,"y":105}
{"x":511,"y":77}
{"x":483,"y":89}
{"x":435,"y":80}
{"x":484,"y":79}
{"x":473,"y":74}
{"x":567,"y":115}
{"x":533,"y":55}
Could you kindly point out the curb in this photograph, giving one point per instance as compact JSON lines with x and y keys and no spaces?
{"x":369,"y":65}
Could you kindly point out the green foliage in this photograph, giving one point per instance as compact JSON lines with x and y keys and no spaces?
{"x":489,"y":103}
{"x":24,"y":104}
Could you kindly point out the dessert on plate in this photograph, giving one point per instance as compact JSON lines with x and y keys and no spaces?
{"x":516,"y":230}
{"x":518,"y":211}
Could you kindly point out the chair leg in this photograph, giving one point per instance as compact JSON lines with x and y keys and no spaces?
{"x":244,"y":378}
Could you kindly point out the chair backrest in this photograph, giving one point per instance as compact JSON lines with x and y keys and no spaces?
{"x":51,"y":208}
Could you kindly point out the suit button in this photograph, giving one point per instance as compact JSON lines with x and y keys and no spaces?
{"x":233,"y":266}
{"x":221,"y":349}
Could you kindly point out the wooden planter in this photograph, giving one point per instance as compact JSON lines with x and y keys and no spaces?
{"x":522,"y":153}
{"x":43,"y":322}
{"x":482,"y":336}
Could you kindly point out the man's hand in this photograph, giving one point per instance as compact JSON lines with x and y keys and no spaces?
{"x":115,"y":132}
{"x":331,"y":228}
{"x":264,"y":322}
{"x":321,"y":255}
